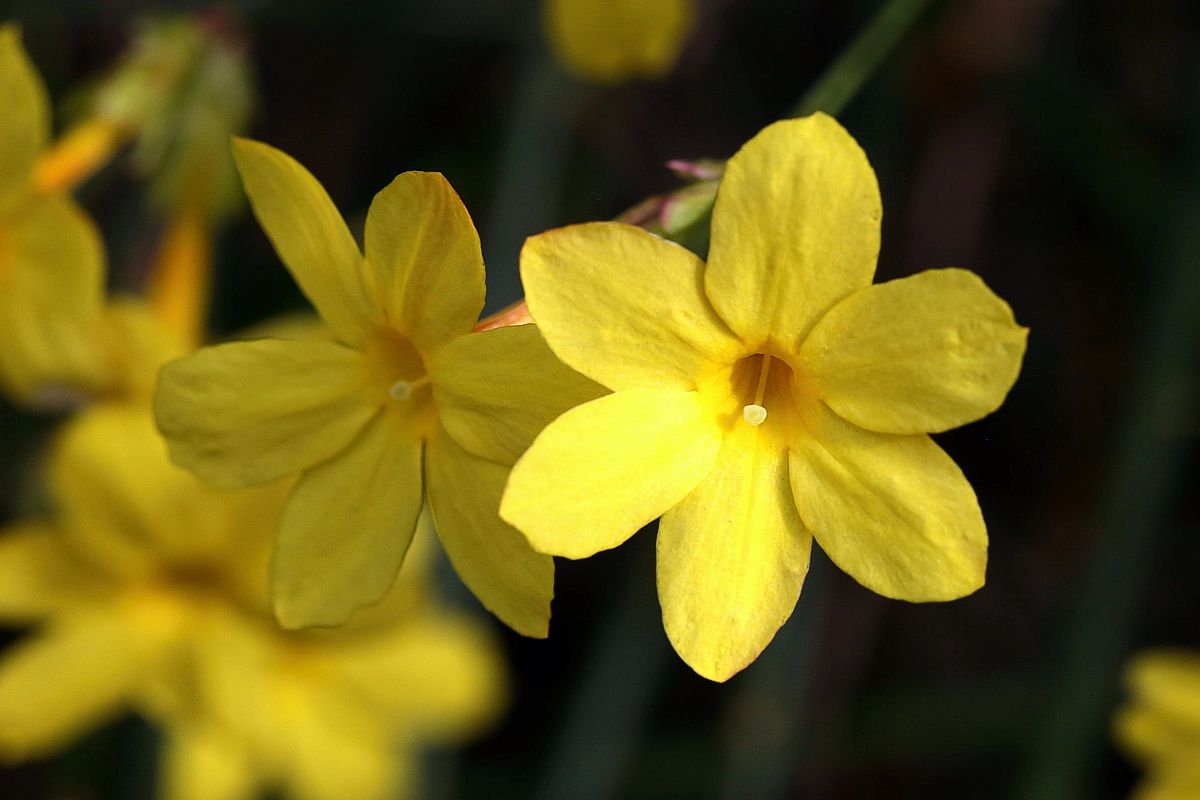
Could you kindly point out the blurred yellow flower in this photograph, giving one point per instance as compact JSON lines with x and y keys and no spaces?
{"x":335,"y":716}
{"x":771,"y":396}
{"x":407,"y":403}
{"x":141,"y":563}
{"x":614,"y":40}
{"x":1159,"y":726}
{"x":51,"y":257}
{"x":149,"y":590}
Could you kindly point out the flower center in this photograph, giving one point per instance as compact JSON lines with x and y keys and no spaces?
{"x":395,"y":371}
{"x":765,"y":391}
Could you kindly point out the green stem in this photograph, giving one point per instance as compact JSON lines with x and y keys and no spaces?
{"x":862,"y":58}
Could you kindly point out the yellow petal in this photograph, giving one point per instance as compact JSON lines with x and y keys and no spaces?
{"x":25,"y":123}
{"x":412,"y":593}
{"x":288,"y":710}
{"x":51,"y":287}
{"x":322,"y":762}
{"x":795,"y":229}
{"x":1168,"y":680}
{"x":424,"y":250}
{"x":115,"y":490}
{"x":496,"y":390}
{"x":249,"y":412}
{"x":60,"y":683}
{"x":39,"y":576}
{"x":346,"y":528}
{"x":310,"y":237}
{"x":1148,"y":734}
{"x":126,"y":508}
{"x":303,"y":325}
{"x":624,"y":307}
{"x":493,"y":559}
{"x":604,"y":469}
{"x":895,"y":512}
{"x":916,"y":355}
{"x":1175,"y":779}
{"x":440,"y":675}
{"x":732,"y":558}
{"x":135,"y":346}
{"x":201,"y":764}
{"x":614,"y":40}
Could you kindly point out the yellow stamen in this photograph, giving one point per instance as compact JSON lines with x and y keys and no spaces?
{"x":754,"y":413}
{"x":403,"y":390}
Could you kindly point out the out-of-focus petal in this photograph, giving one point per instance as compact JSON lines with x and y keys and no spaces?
{"x":51,"y":289}
{"x":70,"y":677}
{"x":25,"y":123}
{"x":615,"y":40}
{"x":200,"y":763}
{"x":441,"y":675}
{"x":39,"y":576}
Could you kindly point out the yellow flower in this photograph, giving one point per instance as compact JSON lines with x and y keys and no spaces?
{"x":408,"y":402}
{"x":614,"y":40}
{"x":51,"y":257}
{"x":150,"y":592}
{"x":1160,"y":724}
{"x":141,"y":563}
{"x":333,"y":717}
{"x":771,"y":396}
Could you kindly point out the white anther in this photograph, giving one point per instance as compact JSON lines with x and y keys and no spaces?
{"x":754,"y":414}
{"x":401,"y":390}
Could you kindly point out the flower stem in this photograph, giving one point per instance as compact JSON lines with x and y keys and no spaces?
{"x":842,"y":81}
{"x":180,"y":282}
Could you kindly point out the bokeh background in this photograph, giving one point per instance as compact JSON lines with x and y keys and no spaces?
{"x":1052,"y":146}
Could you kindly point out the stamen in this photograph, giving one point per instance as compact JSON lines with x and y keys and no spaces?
{"x":754,"y":413}
{"x":403,"y":390}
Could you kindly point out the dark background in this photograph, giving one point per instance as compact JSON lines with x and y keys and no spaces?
{"x":1051,"y":146}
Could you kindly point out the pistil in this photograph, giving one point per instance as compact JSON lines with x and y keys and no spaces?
{"x":403,"y":390}
{"x":754,"y":413}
